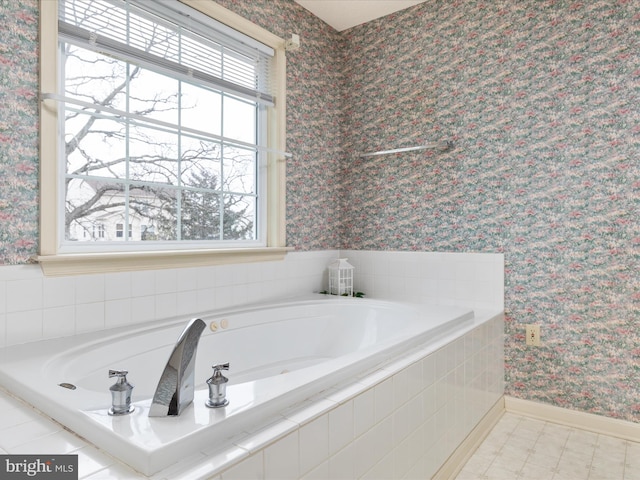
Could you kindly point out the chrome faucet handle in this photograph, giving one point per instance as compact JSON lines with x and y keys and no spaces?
{"x":218,"y":387}
{"x":120,"y":394}
{"x":220,"y":366}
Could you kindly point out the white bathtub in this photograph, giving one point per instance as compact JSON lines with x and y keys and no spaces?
{"x":280,"y":354}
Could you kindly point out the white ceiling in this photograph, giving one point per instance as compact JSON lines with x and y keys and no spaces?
{"x":343,"y":14}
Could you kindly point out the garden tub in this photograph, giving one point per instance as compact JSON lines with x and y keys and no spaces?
{"x":280,"y":354}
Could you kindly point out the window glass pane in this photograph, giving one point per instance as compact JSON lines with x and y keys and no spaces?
{"x":95,"y":144}
{"x":95,"y":78}
{"x":153,"y":95}
{"x":153,"y":155}
{"x":156,"y":208}
{"x":239,"y":217}
{"x":201,"y":109}
{"x":92,"y":209}
{"x":200,"y":215}
{"x":239,"y":170}
{"x":200,"y":166}
{"x":239,"y":120}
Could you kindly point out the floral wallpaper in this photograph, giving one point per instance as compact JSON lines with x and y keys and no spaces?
{"x":540,"y":98}
{"x":18,"y":130}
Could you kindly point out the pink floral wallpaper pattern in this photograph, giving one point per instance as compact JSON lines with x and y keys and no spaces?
{"x":541,"y":100}
{"x":18,"y":131}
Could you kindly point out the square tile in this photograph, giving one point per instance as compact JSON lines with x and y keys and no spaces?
{"x":24,"y":295}
{"x":23,"y":327}
{"x":117,"y":286}
{"x":59,"y":321}
{"x":89,"y":317}
{"x":91,"y":289}
{"x":59,"y":291}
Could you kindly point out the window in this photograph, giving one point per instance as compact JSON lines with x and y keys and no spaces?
{"x":166,"y":121}
{"x":162,"y":123}
{"x":120,"y":230}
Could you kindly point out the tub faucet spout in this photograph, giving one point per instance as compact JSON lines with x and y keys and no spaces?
{"x":176,"y":386}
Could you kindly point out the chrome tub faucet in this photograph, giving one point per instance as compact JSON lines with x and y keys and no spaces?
{"x":177,"y":383}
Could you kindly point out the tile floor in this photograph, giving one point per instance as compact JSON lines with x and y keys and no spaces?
{"x":522,"y":448}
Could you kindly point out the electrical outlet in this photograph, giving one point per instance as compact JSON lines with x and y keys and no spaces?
{"x":533,"y":335}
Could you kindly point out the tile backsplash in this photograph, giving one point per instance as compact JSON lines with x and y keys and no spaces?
{"x":468,"y":279}
{"x":35,"y":307}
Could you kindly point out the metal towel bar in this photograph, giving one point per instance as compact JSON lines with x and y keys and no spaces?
{"x":442,"y":146}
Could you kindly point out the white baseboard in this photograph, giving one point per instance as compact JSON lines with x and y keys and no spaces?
{"x":573,"y":418}
{"x":466,"y":449}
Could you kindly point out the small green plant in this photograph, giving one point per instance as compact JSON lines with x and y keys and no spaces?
{"x":355,"y":294}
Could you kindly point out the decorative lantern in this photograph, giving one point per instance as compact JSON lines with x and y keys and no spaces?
{"x":341,"y":277}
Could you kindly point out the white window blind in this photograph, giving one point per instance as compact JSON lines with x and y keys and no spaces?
{"x":190,"y":46}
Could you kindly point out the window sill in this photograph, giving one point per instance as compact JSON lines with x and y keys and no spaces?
{"x":92,"y":263}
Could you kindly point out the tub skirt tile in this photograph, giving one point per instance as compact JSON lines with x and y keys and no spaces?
{"x":281,"y":459}
{"x":314,"y":443}
{"x":249,"y":469}
{"x":321,"y":472}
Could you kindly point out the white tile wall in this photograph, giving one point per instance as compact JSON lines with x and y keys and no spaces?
{"x":469,"y":279}
{"x":34,"y":307}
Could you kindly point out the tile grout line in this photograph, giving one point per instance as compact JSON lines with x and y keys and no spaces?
{"x":556,"y":469}
{"x":496,"y":454}
{"x":593,"y":455}
{"x":529,"y":450}
{"x":627,"y":446}
{"x":532,"y":450}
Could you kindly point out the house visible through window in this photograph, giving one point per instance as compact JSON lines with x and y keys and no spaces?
{"x":164,"y":125}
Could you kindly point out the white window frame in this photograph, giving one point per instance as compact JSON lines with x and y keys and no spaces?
{"x":55,"y":263}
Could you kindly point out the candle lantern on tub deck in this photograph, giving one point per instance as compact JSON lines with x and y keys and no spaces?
{"x":341,"y":277}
